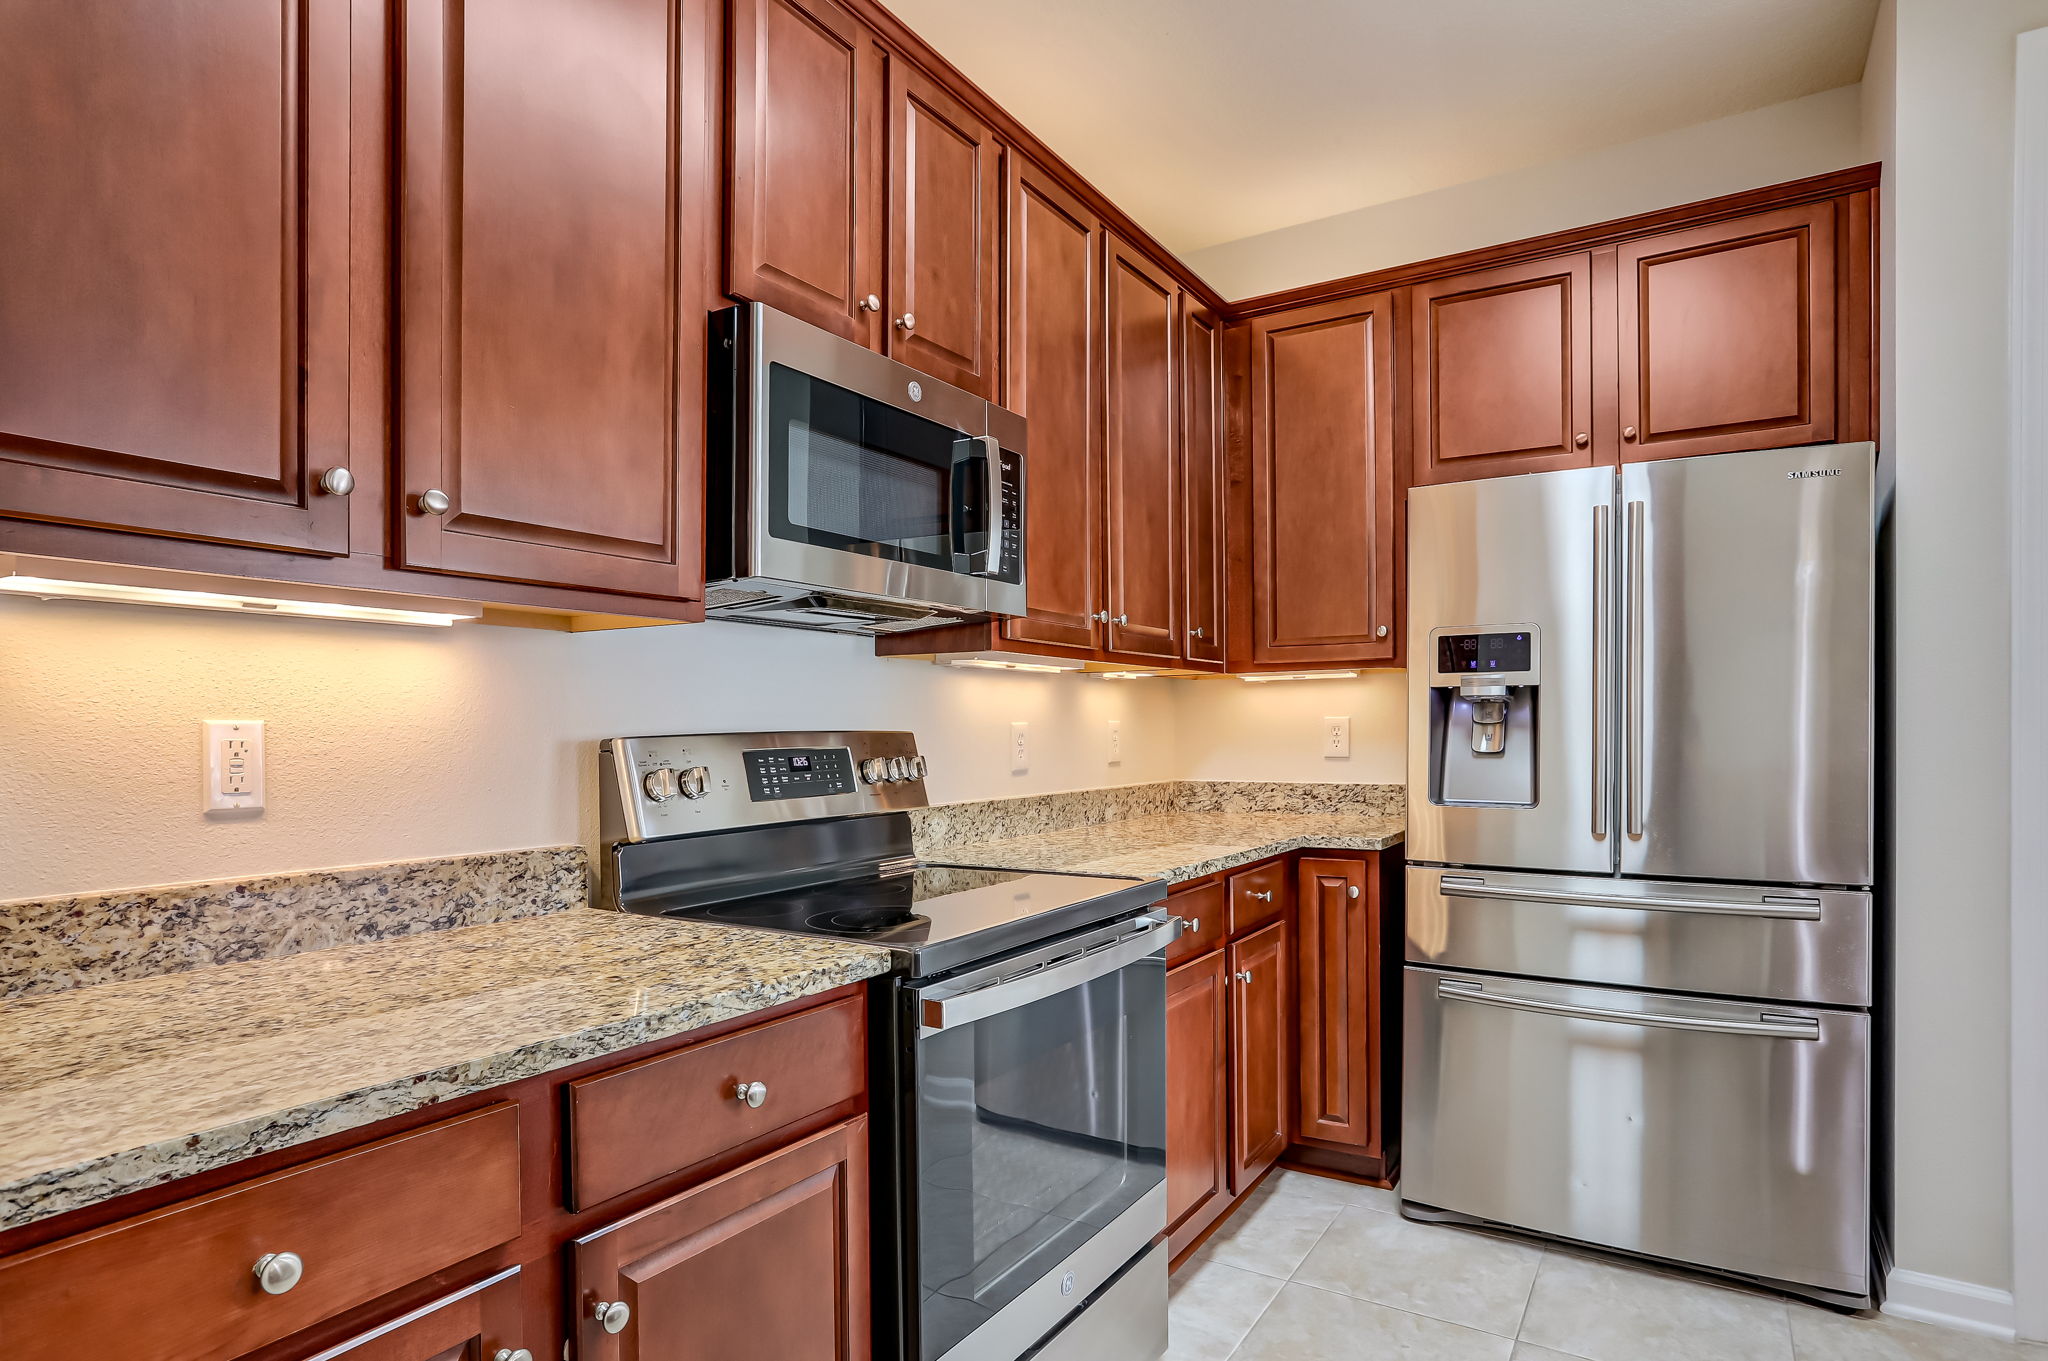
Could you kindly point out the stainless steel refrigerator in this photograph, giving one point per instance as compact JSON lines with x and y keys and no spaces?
{"x":1641,"y":957}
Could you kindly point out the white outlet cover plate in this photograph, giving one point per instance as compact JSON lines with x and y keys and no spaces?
{"x":1020,"y":748}
{"x":1116,"y":741}
{"x":1337,"y":736}
{"x":233,"y":765}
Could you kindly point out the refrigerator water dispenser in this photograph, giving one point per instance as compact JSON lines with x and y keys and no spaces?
{"x":1483,"y":715}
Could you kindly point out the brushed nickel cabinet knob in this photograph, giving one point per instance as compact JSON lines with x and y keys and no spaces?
{"x":278,"y":1272}
{"x":1381,"y":632}
{"x":513,"y":1354}
{"x":337,"y":482}
{"x":871,"y":303}
{"x":1245,"y":977}
{"x":1122,"y":619}
{"x":907,"y":322}
{"x":1351,"y":892}
{"x":1102,"y":616}
{"x":612,"y":1315}
{"x":750,"y":1093}
{"x":434,"y":501}
{"x":1196,"y":632}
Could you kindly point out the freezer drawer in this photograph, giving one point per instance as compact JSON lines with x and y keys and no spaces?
{"x":1729,"y":1135}
{"x":1793,"y":944}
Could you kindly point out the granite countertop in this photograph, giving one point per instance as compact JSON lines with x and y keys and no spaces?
{"x":1178,"y":845}
{"x":109,"y":1089}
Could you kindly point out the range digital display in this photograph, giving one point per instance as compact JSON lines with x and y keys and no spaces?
{"x":1467,"y":652}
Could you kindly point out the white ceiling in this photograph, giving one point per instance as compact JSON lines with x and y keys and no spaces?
{"x":1212,"y":120}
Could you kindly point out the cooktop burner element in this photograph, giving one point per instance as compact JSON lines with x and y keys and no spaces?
{"x":861,"y":921}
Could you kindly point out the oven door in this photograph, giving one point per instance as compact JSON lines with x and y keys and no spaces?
{"x":1037,"y":1144}
{"x":867,"y":476}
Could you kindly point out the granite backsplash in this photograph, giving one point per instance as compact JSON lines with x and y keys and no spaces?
{"x":51,"y":944}
{"x":953,"y":824}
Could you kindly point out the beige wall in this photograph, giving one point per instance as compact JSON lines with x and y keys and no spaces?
{"x":386,"y":743}
{"x":1785,"y":141}
{"x":1238,"y":730}
{"x":1941,"y":96}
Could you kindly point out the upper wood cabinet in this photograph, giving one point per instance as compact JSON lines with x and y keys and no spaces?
{"x":1141,"y":305}
{"x":1727,"y":335}
{"x":174,"y":220}
{"x":1324,"y":484}
{"x":769,"y":1261}
{"x":551,"y":293}
{"x":1204,"y":485}
{"x":1053,"y":378}
{"x":1500,"y":372}
{"x":805,"y":209}
{"x":945,"y":234}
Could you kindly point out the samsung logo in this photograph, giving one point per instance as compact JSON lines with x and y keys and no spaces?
{"x":1815,"y":472}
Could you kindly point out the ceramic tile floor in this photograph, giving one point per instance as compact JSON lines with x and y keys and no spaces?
{"x":1318,"y":1270}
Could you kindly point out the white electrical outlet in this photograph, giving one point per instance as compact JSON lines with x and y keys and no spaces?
{"x":234,"y":764}
{"x":1116,"y":741}
{"x":1337,"y":736}
{"x":1020,"y":748}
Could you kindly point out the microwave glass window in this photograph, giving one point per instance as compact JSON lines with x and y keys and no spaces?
{"x":861,"y":476}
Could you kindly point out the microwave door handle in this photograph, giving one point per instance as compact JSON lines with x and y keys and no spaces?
{"x":990,"y":561}
{"x":944,"y":1009}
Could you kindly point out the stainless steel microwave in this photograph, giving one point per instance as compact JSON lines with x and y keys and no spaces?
{"x":850,"y":493}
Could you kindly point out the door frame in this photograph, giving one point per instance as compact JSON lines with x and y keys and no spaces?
{"x":2029,"y":791}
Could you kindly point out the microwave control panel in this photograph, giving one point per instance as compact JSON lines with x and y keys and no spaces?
{"x":1011,"y":527}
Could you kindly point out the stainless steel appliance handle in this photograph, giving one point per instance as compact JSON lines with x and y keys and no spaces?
{"x":1788,"y":908}
{"x":1779,"y":1028}
{"x":992,"y":504}
{"x":1632,"y":693}
{"x":1603,"y":622}
{"x":943,"y":1008}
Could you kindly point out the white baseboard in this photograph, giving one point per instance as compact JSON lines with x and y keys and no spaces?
{"x":1950,"y":1304}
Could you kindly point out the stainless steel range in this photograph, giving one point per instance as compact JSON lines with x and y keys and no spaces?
{"x":1018,"y":1108}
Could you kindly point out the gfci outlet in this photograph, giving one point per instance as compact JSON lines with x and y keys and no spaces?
{"x":234,"y":764}
{"x":1115,"y":749}
{"x":1020,"y":748}
{"x":1337,"y":736}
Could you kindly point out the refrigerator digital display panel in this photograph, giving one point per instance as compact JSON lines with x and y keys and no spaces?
{"x":1456,"y":652}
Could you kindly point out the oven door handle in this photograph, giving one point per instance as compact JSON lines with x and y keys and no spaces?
{"x":943,"y":1008}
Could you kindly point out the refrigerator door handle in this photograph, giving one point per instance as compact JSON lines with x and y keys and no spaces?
{"x":1603,"y":625}
{"x":1770,"y":1026}
{"x":1786,"y":907}
{"x":1632,"y":685}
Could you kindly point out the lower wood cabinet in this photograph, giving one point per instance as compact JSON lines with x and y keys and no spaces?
{"x":1341,"y":983}
{"x":769,"y":1260}
{"x":1197,"y":1095}
{"x":1261,"y":1051}
{"x":482,"y":1323}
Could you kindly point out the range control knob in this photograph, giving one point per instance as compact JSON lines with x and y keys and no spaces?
{"x":694,"y":781}
{"x":899,"y":769}
{"x":874,"y":770}
{"x":917,"y":767}
{"x":661,"y":784}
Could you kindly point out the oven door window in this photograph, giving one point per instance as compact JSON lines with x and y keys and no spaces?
{"x":1036,"y":1128}
{"x":851,"y":473}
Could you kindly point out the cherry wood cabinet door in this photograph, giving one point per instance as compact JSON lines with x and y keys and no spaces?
{"x":1141,"y":307}
{"x":945,"y":234}
{"x":1323,"y":484}
{"x":1500,"y":368}
{"x":1204,"y":479}
{"x":1052,"y":362}
{"x":770,"y":1260}
{"x":1261,"y":1067}
{"x":480,"y":1323}
{"x":1727,"y":335}
{"x":1337,"y":981}
{"x":804,"y":193}
{"x":552,"y":291}
{"x":174,"y":221}
{"x":1197,"y":1089}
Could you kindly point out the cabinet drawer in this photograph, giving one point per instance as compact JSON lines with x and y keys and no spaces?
{"x":1202,"y":909}
{"x":180,"y":1284}
{"x":1257,"y":896}
{"x":635,"y":1124}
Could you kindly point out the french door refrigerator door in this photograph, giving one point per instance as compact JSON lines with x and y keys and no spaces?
{"x":1729,"y":1135}
{"x":1511,"y":553}
{"x":1746,"y":659}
